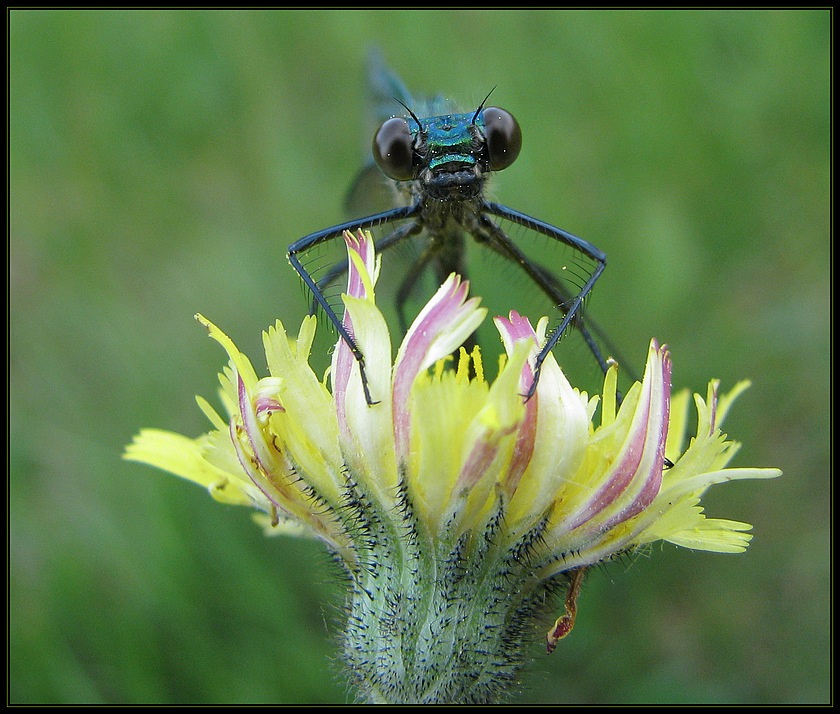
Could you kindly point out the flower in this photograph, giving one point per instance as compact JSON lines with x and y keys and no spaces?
{"x":455,"y":504}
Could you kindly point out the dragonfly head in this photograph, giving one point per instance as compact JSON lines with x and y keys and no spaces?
{"x":449,"y":154}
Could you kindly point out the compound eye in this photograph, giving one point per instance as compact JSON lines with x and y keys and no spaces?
{"x":393,"y":149}
{"x":503,"y":135}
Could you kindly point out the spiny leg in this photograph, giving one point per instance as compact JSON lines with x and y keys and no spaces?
{"x":316,"y":287}
{"x":339,"y":270}
{"x":495,"y":238}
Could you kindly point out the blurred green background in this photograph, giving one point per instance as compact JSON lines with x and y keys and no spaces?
{"x":161,"y":162}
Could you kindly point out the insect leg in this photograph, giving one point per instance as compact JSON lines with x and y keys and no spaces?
{"x":339,"y":270}
{"x":298,"y":248}
{"x":496,"y":239}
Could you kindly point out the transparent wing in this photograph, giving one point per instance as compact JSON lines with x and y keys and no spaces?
{"x":541,"y":277}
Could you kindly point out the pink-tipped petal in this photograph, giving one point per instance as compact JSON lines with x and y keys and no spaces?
{"x":443,"y":324}
{"x":642,"y":457}
{"x":513,"y":329}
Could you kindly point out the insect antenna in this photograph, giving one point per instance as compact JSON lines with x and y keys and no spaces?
{"x":481,"y":106}
{"x":408,"y":109}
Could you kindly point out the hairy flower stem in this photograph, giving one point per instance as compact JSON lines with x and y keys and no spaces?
{"x":439,"y":620}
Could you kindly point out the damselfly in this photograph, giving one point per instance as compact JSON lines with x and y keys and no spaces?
{"x":429,"y":177}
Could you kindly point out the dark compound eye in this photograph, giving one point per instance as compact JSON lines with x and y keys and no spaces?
{"x":503,"y":135}
{"x":393,"y":149}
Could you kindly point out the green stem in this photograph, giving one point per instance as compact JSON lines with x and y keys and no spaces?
{"x":438,"y":621}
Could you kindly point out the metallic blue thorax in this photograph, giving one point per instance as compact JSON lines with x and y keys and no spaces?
{"x":452,"y":138}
